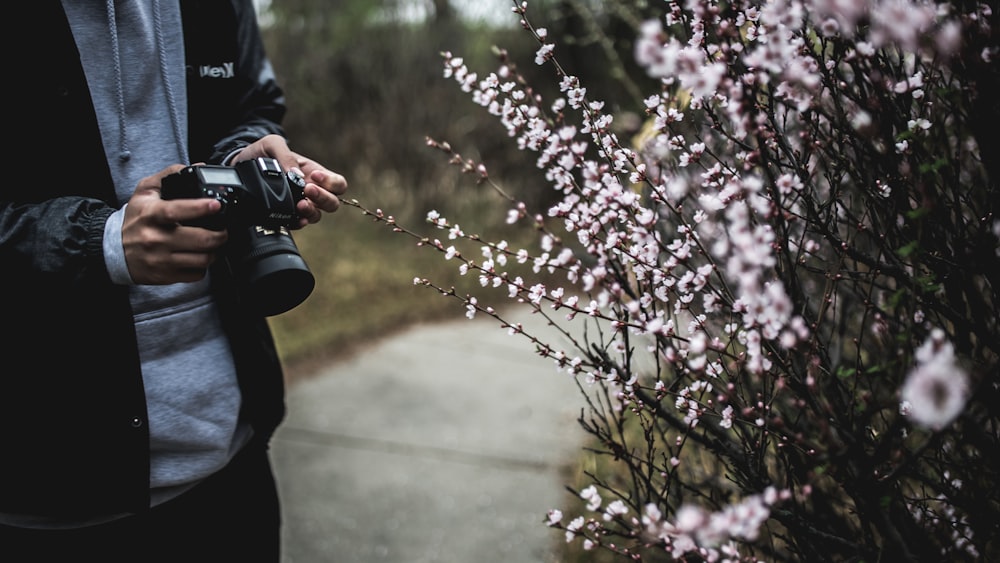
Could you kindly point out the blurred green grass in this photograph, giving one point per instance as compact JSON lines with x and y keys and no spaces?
{"x":363,"y":94}
{"x":364,"y":290}
{"x":362,"y":99}
{"x":364,"y":281}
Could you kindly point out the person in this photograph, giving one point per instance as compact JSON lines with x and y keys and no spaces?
{"x":139,"y":391}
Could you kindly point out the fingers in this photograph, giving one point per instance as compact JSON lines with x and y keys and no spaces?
{"x":187,"y":210}
{"x":161,"y":254}
{"x":191,"y":250}
{"x":158,"y":248}
{"x":322,"y":185}
{"x":152,"y":183}
{"x":327,"y":180}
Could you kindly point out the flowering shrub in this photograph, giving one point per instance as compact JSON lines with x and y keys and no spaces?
{"x":780,"y":297}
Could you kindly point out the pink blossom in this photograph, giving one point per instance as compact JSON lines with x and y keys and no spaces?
{"x":592,"y":497}
{"x":935,"y":393}
{"x":936,"y":389}
{"x":727,"y":417}
{"x":544,"y":53}
{"x":554,"y":517}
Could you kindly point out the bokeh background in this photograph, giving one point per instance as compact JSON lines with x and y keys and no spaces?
{"x":365,"y":89}
{"x":365,"y":86}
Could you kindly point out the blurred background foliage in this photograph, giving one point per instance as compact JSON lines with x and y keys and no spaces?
{"x":365,"y":88}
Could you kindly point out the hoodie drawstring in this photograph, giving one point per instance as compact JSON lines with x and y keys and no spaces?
{"x":124,"y":154}
{"x":168,"y":87}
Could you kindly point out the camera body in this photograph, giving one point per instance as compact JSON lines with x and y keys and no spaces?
{"x":258,"y":209}
{"x":253,"y":192}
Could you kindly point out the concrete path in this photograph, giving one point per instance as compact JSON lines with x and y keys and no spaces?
{"x":446,"y":443}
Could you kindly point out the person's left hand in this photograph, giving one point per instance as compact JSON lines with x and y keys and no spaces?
{"x":322,"y":185}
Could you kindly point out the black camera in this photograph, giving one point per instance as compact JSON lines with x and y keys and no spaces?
{"x":258,"y":209}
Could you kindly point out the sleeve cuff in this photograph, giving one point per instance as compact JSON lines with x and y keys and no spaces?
{"x":114,"y":251}
{"x":228,"y":160}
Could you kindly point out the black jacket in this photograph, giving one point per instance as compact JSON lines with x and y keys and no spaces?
{"x":73,"y":435}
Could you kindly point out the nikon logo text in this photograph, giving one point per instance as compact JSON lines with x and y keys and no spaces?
{"x":225,"y":70}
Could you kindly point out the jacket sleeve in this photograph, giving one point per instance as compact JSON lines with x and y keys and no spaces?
{"x":57,"y":194}
{"x":62,"y":237}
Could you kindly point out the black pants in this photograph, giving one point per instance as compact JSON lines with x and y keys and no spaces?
{"x":232,"y":516}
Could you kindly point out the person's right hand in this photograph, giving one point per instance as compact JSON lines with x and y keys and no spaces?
{"x":158,"y":248}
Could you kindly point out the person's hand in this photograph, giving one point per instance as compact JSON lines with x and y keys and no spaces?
{"x":158,"y":248}
{"x":322,"y":185}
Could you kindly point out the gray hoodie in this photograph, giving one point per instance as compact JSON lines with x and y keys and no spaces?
{"x":132,"y":54}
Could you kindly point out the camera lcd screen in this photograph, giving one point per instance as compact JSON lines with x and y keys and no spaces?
{"x":220,"y":176}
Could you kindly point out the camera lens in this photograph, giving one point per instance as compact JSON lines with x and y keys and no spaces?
{"x":275,"y":278}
